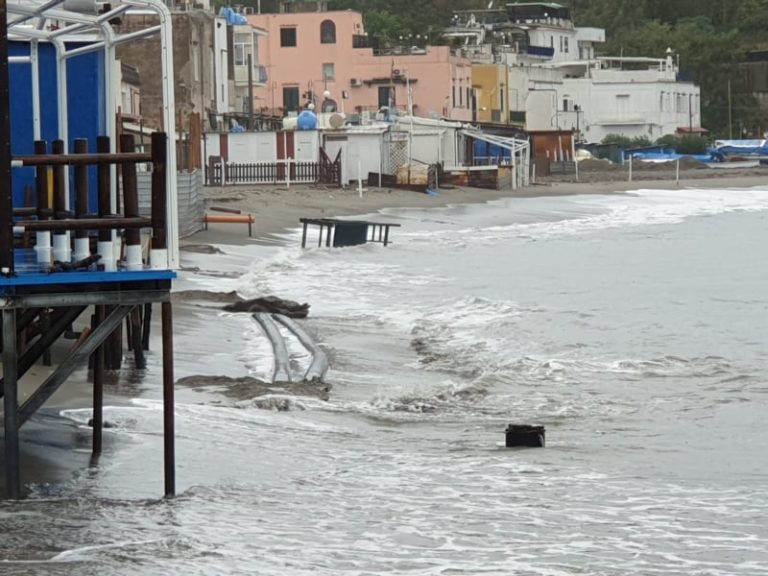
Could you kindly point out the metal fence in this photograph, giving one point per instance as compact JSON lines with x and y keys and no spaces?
{"x":191,"y":205}
{"x":280,"y":172}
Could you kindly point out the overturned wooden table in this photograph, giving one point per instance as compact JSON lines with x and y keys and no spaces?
{"x":347,"y":232}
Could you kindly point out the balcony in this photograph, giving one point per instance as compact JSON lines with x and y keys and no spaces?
{"x":540,"y":51}
{"x":258,"y":75}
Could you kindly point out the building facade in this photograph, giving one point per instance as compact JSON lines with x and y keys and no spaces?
{"x":326,"y":56}
{"x":554,"y":81}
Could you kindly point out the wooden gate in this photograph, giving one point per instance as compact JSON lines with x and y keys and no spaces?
{"x":330,"y":172}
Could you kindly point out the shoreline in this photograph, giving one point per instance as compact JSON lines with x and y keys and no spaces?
{"x":277,"y":208}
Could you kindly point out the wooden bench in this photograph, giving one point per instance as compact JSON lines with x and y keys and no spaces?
{"x":231,"y":216}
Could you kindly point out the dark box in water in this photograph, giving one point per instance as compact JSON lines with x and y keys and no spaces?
{"x":525,"y":435}
{"x":350,"y":233}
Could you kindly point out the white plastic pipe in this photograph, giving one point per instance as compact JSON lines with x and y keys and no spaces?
{"x":107,"y":253}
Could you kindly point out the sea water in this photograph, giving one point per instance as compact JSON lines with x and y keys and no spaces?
{"x":634,"y":327}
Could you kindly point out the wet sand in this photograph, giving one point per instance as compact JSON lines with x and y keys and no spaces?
{"x":278,"y":208}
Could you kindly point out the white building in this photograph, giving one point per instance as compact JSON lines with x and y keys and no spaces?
{"x":234,"y":82}
{"x":634,"y":97}
{"x":555,"y":82}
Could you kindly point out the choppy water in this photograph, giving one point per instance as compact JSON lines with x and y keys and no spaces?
{"x":634,"y":327}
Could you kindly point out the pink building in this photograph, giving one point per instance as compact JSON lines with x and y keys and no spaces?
{"x":309,"y":53}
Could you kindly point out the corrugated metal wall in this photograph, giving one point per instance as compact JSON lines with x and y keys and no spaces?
{"x":191,"y":205}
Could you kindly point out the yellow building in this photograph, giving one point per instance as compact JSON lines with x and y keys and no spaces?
{"x":490,"y":84}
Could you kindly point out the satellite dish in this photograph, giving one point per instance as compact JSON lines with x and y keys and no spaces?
{"x":336,"y":121}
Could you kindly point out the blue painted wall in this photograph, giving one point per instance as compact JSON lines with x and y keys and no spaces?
{"x":85,"y":89}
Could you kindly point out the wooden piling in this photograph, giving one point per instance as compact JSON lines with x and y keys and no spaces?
{"x":104,"y":180}
{"x":169,"y":456}
{"x":159,"y":201}
{"x":130,"y":190}
{"x":59,"y":183}
{"x":41,"y":181}
{"x":10,"y":405}
{"x":98,"y":388}
{"x":81,"y":189}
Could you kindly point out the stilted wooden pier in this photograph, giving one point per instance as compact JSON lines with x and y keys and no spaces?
{"x":71,"y":249}
{"x":34,"y":286}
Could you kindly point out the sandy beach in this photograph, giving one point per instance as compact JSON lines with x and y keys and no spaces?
{"x":278,"y":208}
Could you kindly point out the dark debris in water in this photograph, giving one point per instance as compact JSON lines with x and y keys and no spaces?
{"x":200,"y":249}
{"x":271,"y":304}
{"x":225,"y":297}
{"x":247,"y":387}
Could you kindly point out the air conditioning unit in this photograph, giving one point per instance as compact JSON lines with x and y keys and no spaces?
{"x":356,"y":82}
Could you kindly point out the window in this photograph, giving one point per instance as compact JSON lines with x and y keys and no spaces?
{"x":566,"y":43}
{"x":386,"y":96}
{"x":288,"y":37}
{"x":329,"y":72}
{"x":291,"y":98}
{"x":243,"y":47}
{"x":561,"y":43}
{"x":622,"y":105}
{"x":327,"y":32}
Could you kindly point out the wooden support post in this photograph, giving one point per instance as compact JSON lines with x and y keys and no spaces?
{"x":168,"y":400}
{"x":138,"y":350}
{"x":10,"y":405}
{"x":304,"y":235}
{"x":104,"y":180}
{"x":131,"y":203}
{"x":98,"y":388}
{"x":45,"y":327}
{"x":41,"y":181}
{"x":82,"y":242}
{"x":59,"y":178}
{"x":159,"y":200}
{"x":386,"y":235}
{"x":146,"y":325}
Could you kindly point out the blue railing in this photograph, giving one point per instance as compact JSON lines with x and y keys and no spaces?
{"x":544,"y":51}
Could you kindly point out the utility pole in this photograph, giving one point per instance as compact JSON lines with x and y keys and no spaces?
{"x":690,"y":114}
{"x":250,"y":92}
{"x":730,"y":112}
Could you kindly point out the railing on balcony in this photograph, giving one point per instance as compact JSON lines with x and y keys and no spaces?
{"x":260,"y":74}
{"x":543,"y":51}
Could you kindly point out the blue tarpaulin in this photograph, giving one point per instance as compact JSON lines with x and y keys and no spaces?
{"x":752,"y":148}
{"x":232,"y":17}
